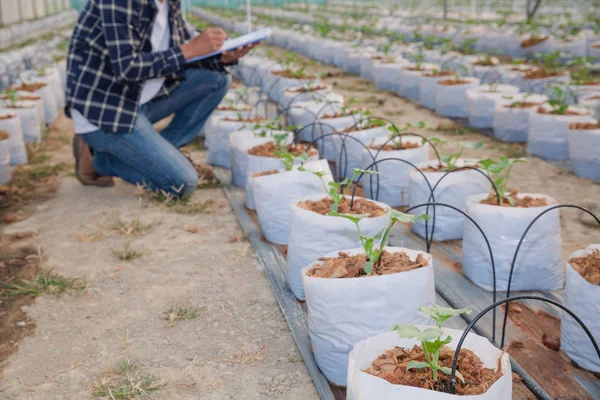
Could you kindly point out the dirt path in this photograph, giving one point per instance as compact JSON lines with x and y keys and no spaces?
{"x":237,"y":346}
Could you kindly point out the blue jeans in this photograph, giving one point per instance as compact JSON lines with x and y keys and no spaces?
{"x":153,"y":159}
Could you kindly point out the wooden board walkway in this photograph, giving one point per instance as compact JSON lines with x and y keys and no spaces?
{"x":295,"y":312}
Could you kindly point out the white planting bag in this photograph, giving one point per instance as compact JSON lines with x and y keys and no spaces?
{"x":343,"y":311}
{"x":331,"y":234}
{"x":393,"y":175}
{"x":5,"y":174}
{"x":453,"y":190}
{"x":273,"y":195}
{"x":539,"y":262}
{"x":548,"y":133}
{"x":482,"y":102}
{"x":293,"y":95}
{"x":218,"y":151}
{"x":305,"y":114}
{"x":350,"y":148}
{"x":11,"y":123}
{"x":511,"y":124}
{"x":583,"y":299}
{"x":427,"y":89}
{"x":387,"y":75}
{"x":244,"y":110}
{"x":451,"y":100}
{"x":592,"y":101}
{"x":242,"y":141}
{"x":584,"y":152}
{"x":49,"y":99}
{"x":363,"y":386}
{"x":410,"y":81}
{"x":258,"y":164}
{"x":30,"y":122}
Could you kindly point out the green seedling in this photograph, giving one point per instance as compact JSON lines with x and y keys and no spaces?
{"x":12,"y":95}
{"x":337,"y":190}
{"x":396,"y":132}
{"x":431,"y":338}
{"x":372,"y":251}
{"x":559,"y":100}
{"x":419,"y":58}
{"x":284,"y":152}
{"x":500,"y":172}
{"x":468,"y":46}
{"x":449,"y":160}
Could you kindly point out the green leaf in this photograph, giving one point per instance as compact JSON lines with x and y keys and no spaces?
{"x":416,"y":365}
{"x":406,"y":218}
{"x":356,"y":218}
{"x":358,"y":171}
{"x":441,"y":314}
{"x":435,"y":346}
{"x":472,"y":145}
{"x":334,"y":207}
{"x":368,"y":267}
{"x":448,"y":371}
{"x":410,"y":331}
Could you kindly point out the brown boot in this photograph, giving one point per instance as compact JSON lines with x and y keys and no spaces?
{"x":84,"y":167}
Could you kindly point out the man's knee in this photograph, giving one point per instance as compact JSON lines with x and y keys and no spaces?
{"x":182,"y":182}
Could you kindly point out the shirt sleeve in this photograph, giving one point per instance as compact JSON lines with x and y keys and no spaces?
{"x":130,"y":64}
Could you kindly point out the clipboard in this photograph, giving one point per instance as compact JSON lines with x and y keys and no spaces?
{"x":232,"y":44}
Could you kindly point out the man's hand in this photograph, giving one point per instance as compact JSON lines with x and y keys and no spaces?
{"x":209,"y":41}
{"x":230,"y":56}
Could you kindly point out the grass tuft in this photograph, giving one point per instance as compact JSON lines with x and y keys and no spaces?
{"x":127,"y":253}
{"x":180,"y":313}
{"x":128,"y":382}
{"x":45,"y":282}
{"x":181,"y":206}
{"x":134,"y":227}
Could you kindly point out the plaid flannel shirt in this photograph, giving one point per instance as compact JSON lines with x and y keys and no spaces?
{"x":110,"y":58}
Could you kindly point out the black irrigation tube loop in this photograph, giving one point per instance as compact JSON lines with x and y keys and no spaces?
{"x":346,"y":135}
{"x":430,"y":238}
{"x":313,"y":141}
{"x":514,"y":260}
{"x":291,"y":104}
{"x":507,"y":301}
{"x":487,"y":242}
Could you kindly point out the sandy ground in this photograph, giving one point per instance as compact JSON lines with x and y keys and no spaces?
{"x":238,"y":348}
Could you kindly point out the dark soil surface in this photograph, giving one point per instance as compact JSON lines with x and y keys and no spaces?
{"x":391,"y":366}
{"x":361,"y":206}
{"x":588,"y":267}
{"x":346,"y":266}
{"x":519,"y":202}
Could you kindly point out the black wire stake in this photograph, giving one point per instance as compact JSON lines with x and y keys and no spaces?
{"x":514,"y":260}
{"x":507,"y":301}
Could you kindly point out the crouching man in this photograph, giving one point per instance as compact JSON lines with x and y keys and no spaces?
{"x":127,"y":70}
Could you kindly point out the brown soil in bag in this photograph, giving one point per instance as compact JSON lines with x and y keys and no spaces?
{"x":584,"y":125}
{"x":520,"y":202}
{"x":306,"y":89}
{"x":597,"y":97}
{"x":391,"y":366}
{"x":588,"y":267}
{"x":346,"y":266}
{"x":8,"y":116}
{"x":292,"y":75}
{"x":339,"y":114}
{"x":234,"y":108}
{"x":546,"y":111}
{"x":355,"y":128}
{"x":440,"y":73}
{"x":414,"y":68}
{"x":249,"y":120}
{"x":541,"y":73}
{"x":361,"y":206}
{"x":265,"y":173}
{"x":532,"y":41}
{"x":523,"y":104}
{"x":437,"y":168}
{"x":400,"y":146}
{"x":24,"y":98}
{"x":269,"y":150}
{"x":486,"y":63}
{"x":376,"y":58}
{"x":4,"y":135}
{"x":32,"y":87}
{"x":453,"y":82}
{"x":21,"y":106}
